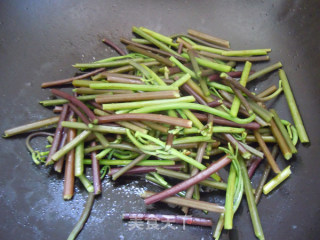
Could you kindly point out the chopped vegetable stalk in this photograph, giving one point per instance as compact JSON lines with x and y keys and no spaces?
{"x":293,"y":108}
{"x":251,"y":203}
{"x":243,"y":81}
{"x":274,"y":182}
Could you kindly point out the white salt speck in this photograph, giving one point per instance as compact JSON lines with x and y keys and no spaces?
{"x":121,"y":237}
{"x":294,"y":226}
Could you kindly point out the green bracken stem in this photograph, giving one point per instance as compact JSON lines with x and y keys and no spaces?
{"x":158,"y":36}
{"x":274,"y":182}
{"x":159,"y":44}
{"x":103,"y":153}
{"x":228,"y":220}
{"x":264,"y":71}
{"x":260,"y":111}
{"x":94,"y":128}
{"x":238,"y":97}
{"x":294,"y":135}
{"x":154,"y":76}
{"x":126,"y":162}
{"x":181,"y":80}
{"x":194,"y":63}
{"x":250,"y":200}
{"x":188,"y":40}
{"x":267,"y":92}
{"x":118,"y":63}
{"x":129,"y":68}
{"x":207,"y":49}
{"x":79,"y":155}
{"x":84,"y":216}
{"x":86,"y":183}
{"x":184,"y":176}
{"x":243,"y":81}
{"x":102,"y":139}
{"x":209,"y":64}
{"x":241,"y":53}
{"x":267,"y":139}
{"x":220,"y":86}
{"x":293,"y":108}
{"x":162,"y":184}
{"x":183,"y":67}
{"x":81,"y":83}
{"x":237,"y":59}
{"x":193,"y":191}
{"x":128,"y":167}
{"x":204,"y":86}
{"x":280,"y":140}
{"x":134,"y":87}
{"x":265,"y":175}
{"x":192,"y":139}
{"x":30,"y":126}
{"x":53,"y":102}
{"x":140,"y":104}
{"x":141,"y":41}
{"x":283,"y":131}
{"x":194,"y":107}
{"x":63,"y":151}
{"x":219,"y":227}
{"x":196,"y":122}
{"x":222,"y":129}
{"x":198,"y":90}
{"x":176,"y":153}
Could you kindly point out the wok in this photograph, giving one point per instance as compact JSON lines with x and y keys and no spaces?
{"x":39,"y":40}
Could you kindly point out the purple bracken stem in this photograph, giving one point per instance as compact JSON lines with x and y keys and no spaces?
{"x":214,"y":167}
{"x":254,"y":165}
{"x":215,"y":103}
{"x":95,"y":171}
{"x":180,"y":48}
{"x":189,"y":90}
{"x":152,"y":49}
{"x":201,"y":151}
{"x":234,"y":142}
{"x":57,"y":134}
{"x":58,"y":165}
{"x":68,"y":189}
{"x":76,"y":102}
{"x":220,"y":121}
{"x":114,"y":46}
{"x":99,"y":106}
{"x":79,"y":113}
{"x":69,"y":80}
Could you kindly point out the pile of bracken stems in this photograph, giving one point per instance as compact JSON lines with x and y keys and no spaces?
{"x":171,"y":108}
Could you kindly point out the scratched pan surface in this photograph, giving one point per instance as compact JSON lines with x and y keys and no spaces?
{"x":39,"y":40}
